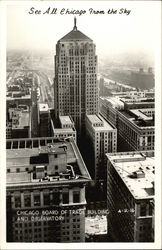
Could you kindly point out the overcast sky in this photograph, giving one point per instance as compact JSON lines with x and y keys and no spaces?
{"x":112,"y":33}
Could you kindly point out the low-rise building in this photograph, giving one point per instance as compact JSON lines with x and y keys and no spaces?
{"x":66,"y":122}
{"x":63,"y":128}
{"x":18,"y":123}
{"x":11,"y":99}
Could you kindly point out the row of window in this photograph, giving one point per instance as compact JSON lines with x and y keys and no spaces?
{"x":47,"y":200}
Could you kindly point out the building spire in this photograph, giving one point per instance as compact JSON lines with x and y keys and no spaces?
{"x":75,"y":27}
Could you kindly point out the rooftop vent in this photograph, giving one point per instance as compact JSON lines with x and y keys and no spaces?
{"x":137,"y":174}
{"x":51,"y":148}
{"x":64,"y":146}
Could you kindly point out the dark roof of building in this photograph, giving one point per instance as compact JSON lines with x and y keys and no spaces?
{"x":75,"y":34}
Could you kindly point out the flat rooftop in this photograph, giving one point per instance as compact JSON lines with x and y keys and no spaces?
{"x":119,"y":101}
{"x":139,"y":117}
{"x":96,"y":225}
{"x":137,"y":99}
{"x":142,"y":113}
{"x":27,"y":158}
{"x":94,"y":119}
{"x":21,"y":157}
{"x":137,"y":172}
{"x":8,"y":98}
{"x":65,"y":120}
{"x":99,"y":119}
{"x":114,"y":101}
{"x":43,"y":107}
{"x":58,"y":130}
{"x":24,"y":120}
{"x":64,"y":130}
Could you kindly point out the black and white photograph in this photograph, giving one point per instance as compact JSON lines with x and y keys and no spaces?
{"x":81,"y":125}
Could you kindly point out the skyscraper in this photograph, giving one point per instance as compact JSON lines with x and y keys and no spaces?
{"x":75,"y":84}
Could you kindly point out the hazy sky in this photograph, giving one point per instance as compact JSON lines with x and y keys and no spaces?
{"x":112,"y":33}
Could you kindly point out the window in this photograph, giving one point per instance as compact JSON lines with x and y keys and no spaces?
{"x":150,"y":209}
{"x":65,"y":198}
{"x":143,"y":210}
{"x":56,"y":198}
{"x":8,"y":170}
{"x":17,"y":170}
{"x":46,"y":199}
{"x":27,"y":200}
{"x":56,"y":167}
{"x":36,"y":199}
{"x":17,"y":201}
{"x":76,"y":196}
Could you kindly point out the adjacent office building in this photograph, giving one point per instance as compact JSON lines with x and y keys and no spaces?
{"x":63,"y":128}
{"x":75,"y":84}
{"x":136,"y":128}
{"x":18,"y":124}
{"x":134,"y":120}
{"x":45,"y":191}
{"x":130,"y":196}
{"x":21,"y":99}
{"x":103,"y":138}
{"x":16,"y":99}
